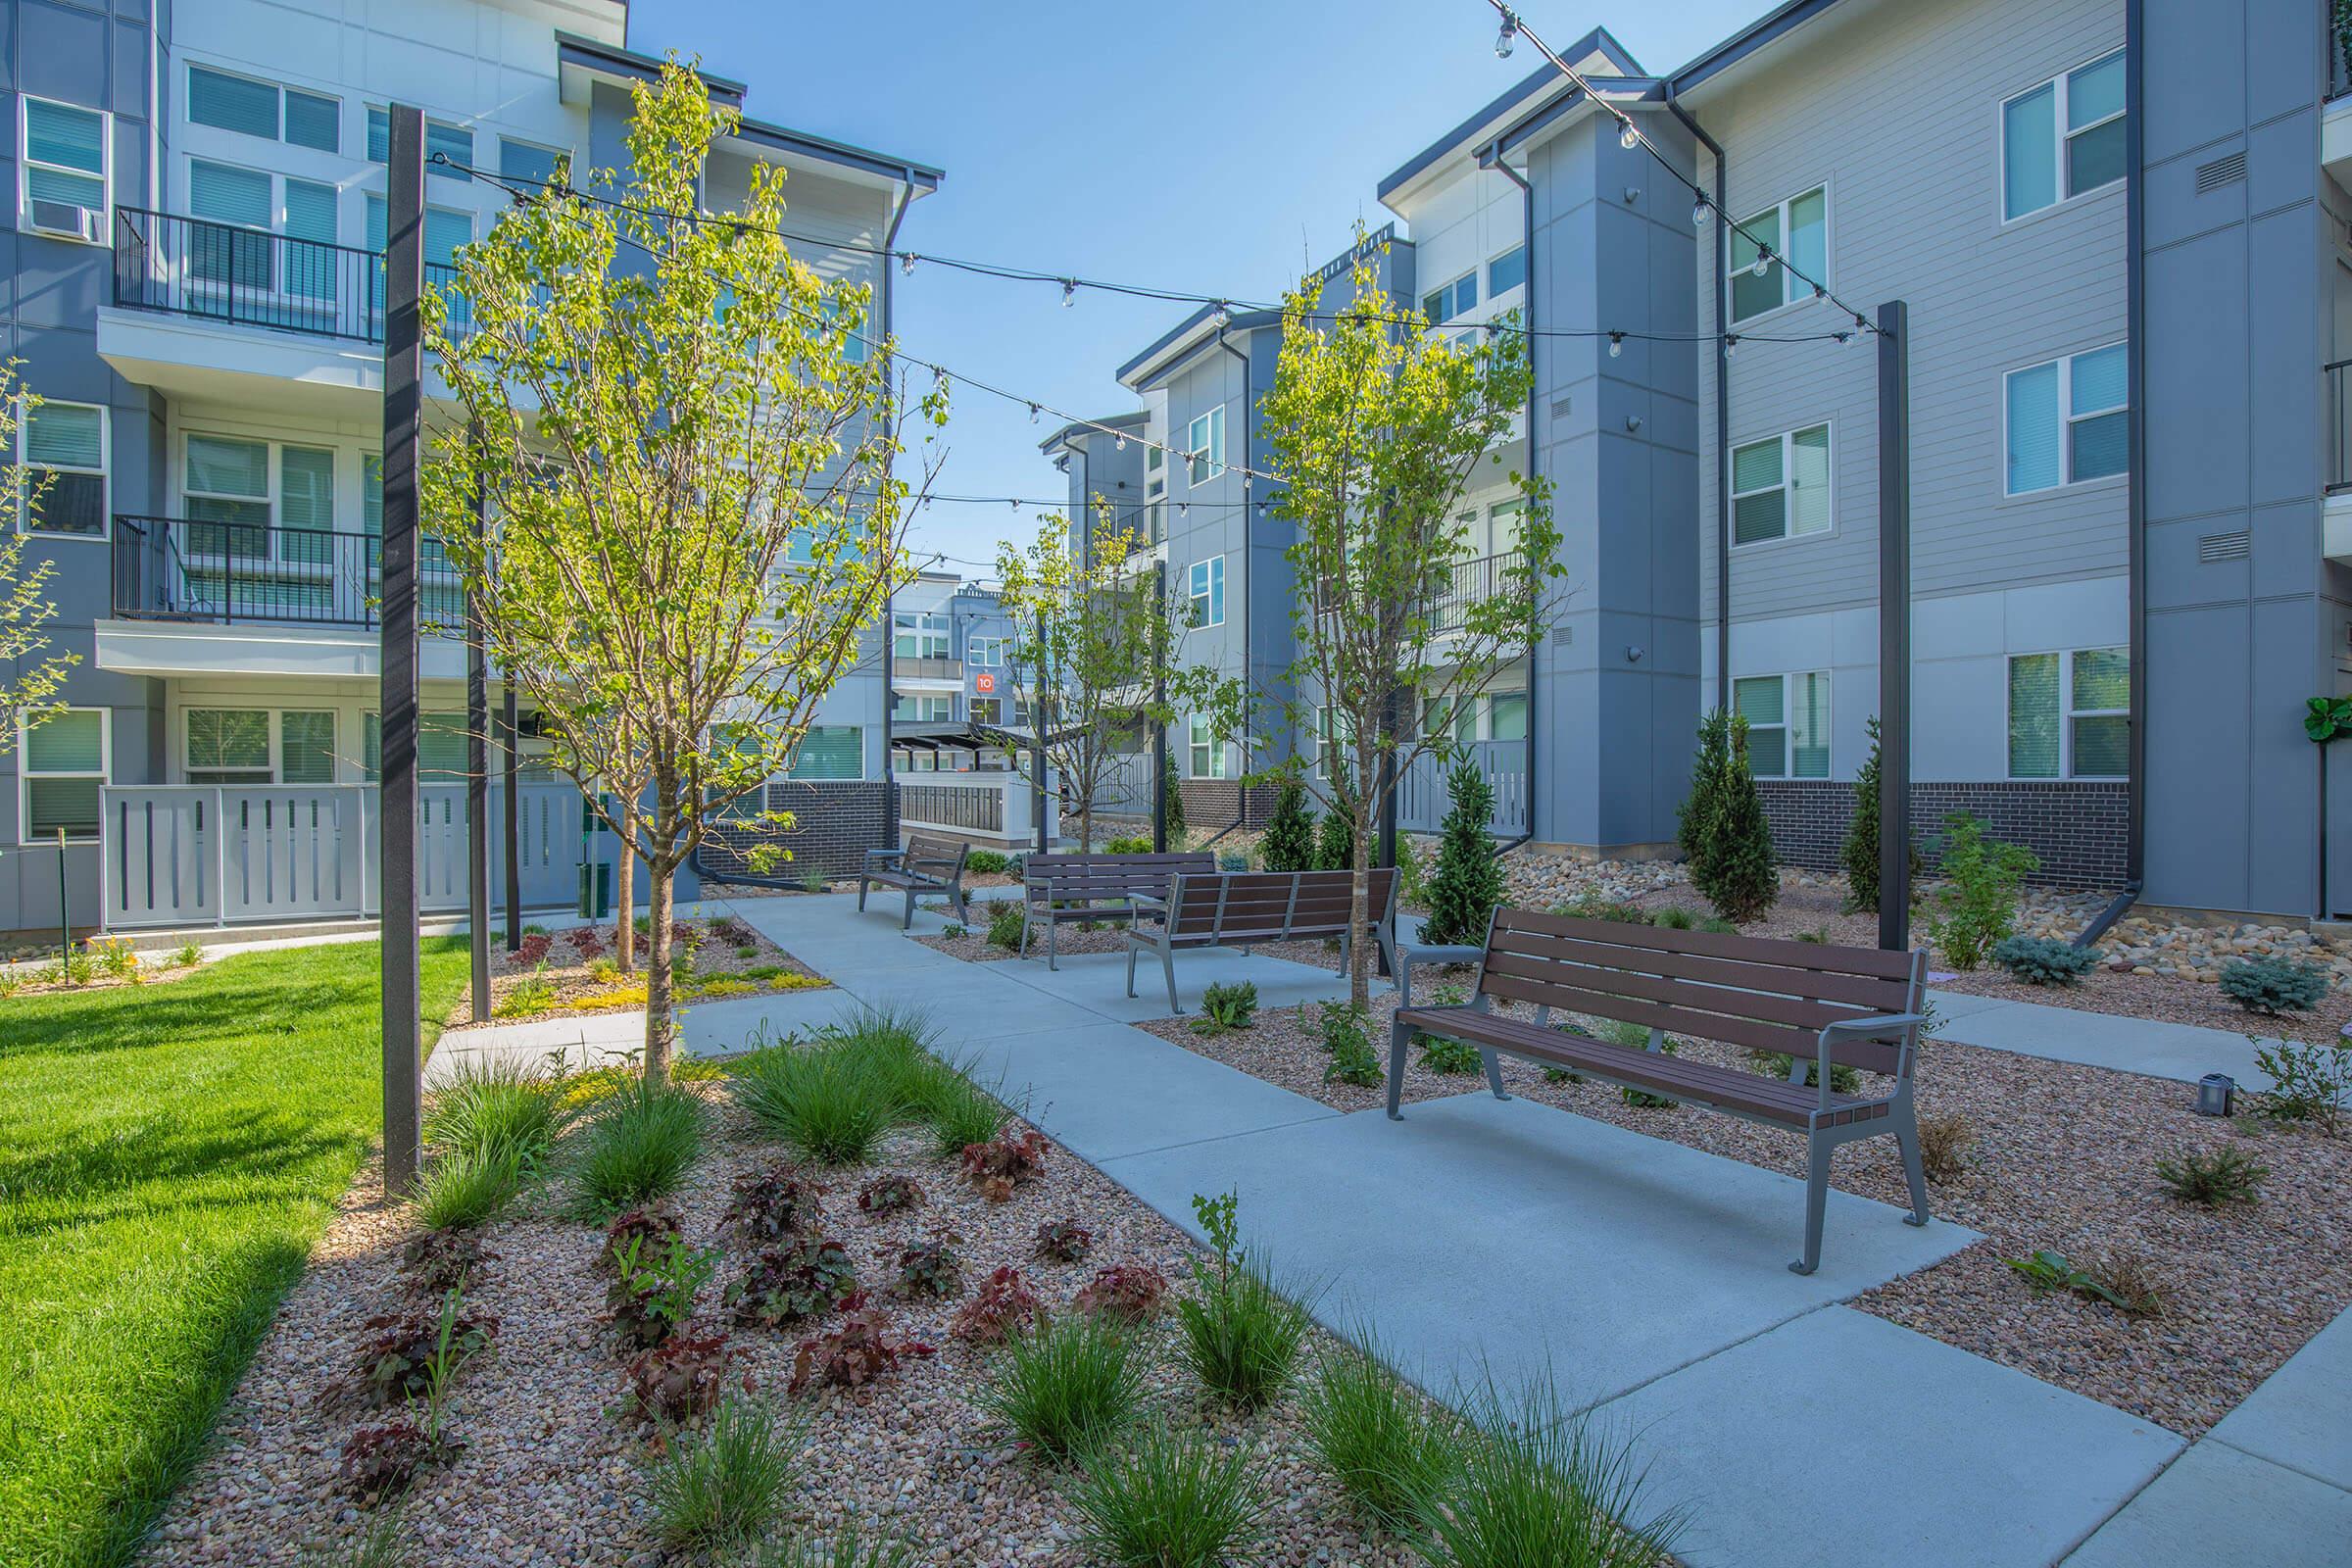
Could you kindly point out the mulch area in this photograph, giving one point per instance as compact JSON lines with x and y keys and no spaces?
{"x":572,"y":973}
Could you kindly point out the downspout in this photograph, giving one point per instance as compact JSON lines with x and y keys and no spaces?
{"x":1722,"y":414}
{"x":2135,"y":789}
{"x":1527,"y":238}
{"x":1240,"y":798}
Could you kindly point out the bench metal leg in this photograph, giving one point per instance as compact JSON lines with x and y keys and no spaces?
{"x":964,"y":907}
{"x":906,"y":923}
{"x":1400,"y":1038}
{"x":1167,"y":963}
{"x":1052,"y":944}
{"x":1132,"y":951}
{"x":1906,"y":1139}
{"x":1817,"y":1198}
{"x":1493,"y":1062}
{"x":861,"y":894}
{"x":1022,"y":952}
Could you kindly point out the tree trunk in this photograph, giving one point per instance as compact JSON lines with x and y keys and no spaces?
{"x":1359,"y":899}
{"x":660,"y":1023}
{"x":624,"y":892}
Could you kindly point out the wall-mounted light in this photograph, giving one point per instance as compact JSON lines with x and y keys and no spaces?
{"x":1632,"y":421}
{"x":1633,"y":655}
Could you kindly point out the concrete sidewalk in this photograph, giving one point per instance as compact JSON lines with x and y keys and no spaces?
{"x":2149,"y":1047}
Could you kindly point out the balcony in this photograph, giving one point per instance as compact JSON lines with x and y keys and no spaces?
{"x":2336,"y":116}
{"x":2336,"y":518}
{"x":1471,"y":582}
{"x":247,"y":575}
{"x":910,"y":666}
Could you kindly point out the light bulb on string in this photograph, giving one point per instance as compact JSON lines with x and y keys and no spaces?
{"x":1616,"y":344}
{"x":1033,"y":412}
{"x":1503,"y":39}
{"x":1698,"y":213}
{"x":1629,"y":138}
{"x":907,"y":263}
{"x":1123,"y":443}
{"x":1763,"y":262}
{"x":1819,"y":292}
{"x":1221,"y":317}
{"x":1731,"y":344}
{"x":1069,"y":293}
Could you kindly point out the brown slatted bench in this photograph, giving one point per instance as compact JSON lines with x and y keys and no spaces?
{"x":1096,"y":887}
{"x":927,"y":864}
{"x":1242,"y":908}
{"x":1818,"y":1005}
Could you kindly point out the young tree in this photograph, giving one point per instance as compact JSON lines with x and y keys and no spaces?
{"x":1695,"y":818}
{"x":1094,"y":642}
{"x":1860,"y":852}
{"x":1374,"y":432}
{"x":1747,"y":880}
{"x":1171,"y":792}
{"x":1467,"y":886}
{"x":685,"y":445}
{"x":30,"y":675}
{"x":1289,"y":841}
{"x":1335,"y":834}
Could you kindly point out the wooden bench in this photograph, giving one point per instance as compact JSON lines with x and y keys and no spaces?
{"x":1819,"y":1006}
{"x":1095,"y":887}
{"x":927,"y":864}
{"x":1240,"y":909}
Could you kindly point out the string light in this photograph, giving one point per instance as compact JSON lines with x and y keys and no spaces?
{"x":1069,"y":292}
{"x":1731,"y":344}
{"x":1616,"y":344}
{"x":1629,"y":138}
{"x":906,"y":265}
{"x":1032,"y":411}
{"x":1698,"y":213}
{"x":1503,"y":40}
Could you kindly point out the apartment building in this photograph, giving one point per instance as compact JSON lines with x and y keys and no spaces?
{"x":196,"y":296}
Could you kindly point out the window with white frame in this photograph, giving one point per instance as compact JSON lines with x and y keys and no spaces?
{"x":250,"y":205}
{"x":2066,"y":420}
{"x":225,"y":101}
{"x":923,"y":708}
{"x":987,"y":710}
{"x":454,"y":142}
{"x":2070,"y":713}
{"x":1204,"y":444}
{"x":985,"y":653}
{"x":830,"y":751}
{"x":1797,"y":231}
{"x":1507,"y":271}
{"x":63,"y":449}
{"x":1450,"y":299}
{"x":245,"y":746}
{"x":1781,"y":486}
{"x":920,"y":634}
{"x":1208,"y":752}
{"x":2063,"y":138}
{"x":62,"y":764}
{"x":1788,"y":723}
{"x":1205,"y":588}
{"x":249,"y":487}
{"x":68,"y":163}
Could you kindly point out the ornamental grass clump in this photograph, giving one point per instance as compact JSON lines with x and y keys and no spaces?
{"x":1074,"y":1383}
{"x":1537,"y":1485}
{"x":962,"y":1113}
{"x":1170,"y":1499}
{"x":636,"y":1147}
{"x":463,"y":1190}
{"x":725,"y":1486}
{"x":832,"y":1103}
{"x":497,"y":1107}
{"x":1390,"y":1451}
{"x":1239,"y":1334}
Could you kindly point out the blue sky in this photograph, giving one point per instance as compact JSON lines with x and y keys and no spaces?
{"x":1218,"y":147}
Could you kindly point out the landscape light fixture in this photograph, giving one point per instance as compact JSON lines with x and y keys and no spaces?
{"x":2216,"y":1093}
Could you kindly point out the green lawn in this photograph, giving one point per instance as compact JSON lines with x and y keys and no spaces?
{"x":168,"y":1156}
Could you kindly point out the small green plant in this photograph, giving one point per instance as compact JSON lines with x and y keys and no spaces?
{"x":1717,"y":925}
{"x":1943,"y":1144}
{"x":1170,"y":1499}
{"x":1843,"y":1079}
{"x":1003,"y":1307}
{"x":894,"y":1194}
{"x":1230,"y":861}
{"x":1348,"y":1036}
{"x":932,"y":1268}
{"x":116,"y":957}
{"x":1064,"y":1240}
{"x":1129,"y":844}
{"x":1289,"y":841}
{"x":1226,"y":1006}
{"x":832,"y":1103}
{"x":1389,"y":1450}
{"x":1006,"y":918}
{"x":724,"y":1486}
{"x":1632,"y":1037}
{"x":1000,"y":1166}
{"x":2043,"y":961}
{"x":2228,"y":1175}
{"x":1673,"y":920}
{"x":1239,"y":1334}
{"x":768,"y":1204}
{"x":2272,"y":986}
{"x":1538,"y":1486}
{"x":1131,"y":1293}
{"x":1976,"y":906}
{"x":527,"y":998}
{"x":954,"y":932}
{"x":1591,"y":906}
{"x":637,"y":1146}
{"x":1453,"y":1058}
{"x":498,"y":1107}
{"x":467,"y":1189}
{"x":857,"y":1350}
{"x":1070,"y":1385}
{"x":846,"y":1548}
{"x":1467,"y":886}
{"x":813,"y":880}
{"x":2310,"y":1083}
{"x":75,"y":967}
{"x":653,"y":1287}
{"x":678,"y":1381}
{"x":382,"y":1545}
{"x":2121,"y":1281}
{"x":414,"y":1357}
{"x":986,"y":863}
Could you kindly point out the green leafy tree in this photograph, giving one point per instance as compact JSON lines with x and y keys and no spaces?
{"x":1373,"y":434}
{"x":31,"y":674}
{"x":1976,"y":905}
{"x":1289,"y":841}
{"x":686,"y":447}
{"x":1172,"y":792}
{"x":1468,"y":885}
{"x":1860,"y":854}
{"x":1694,"y":819}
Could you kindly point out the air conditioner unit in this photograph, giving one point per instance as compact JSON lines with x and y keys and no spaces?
{"x":65,"y":220}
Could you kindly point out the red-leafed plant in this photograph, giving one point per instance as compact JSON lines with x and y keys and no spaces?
{"x":412,"y":1354}
{"x":587,"y":941}
{"x":679,"y":1380}
{"x":931,"y":1268}
{"x":533,"y":947}
{"x":650,"y":1227}
{"x":783,"y":1284}
{"x":890,"y":1195}
{"x":771,"y":1206}
{"x":1002,"y":1306}
{"x":854,"y":1351}
{"x":1000,"y":1165}
{"x":1064,"y":1240}
{"x":652,"y":1291}
{"x":436,"y":1263}
{"x":1130,"y":1292}
{"x":381,"y":1460}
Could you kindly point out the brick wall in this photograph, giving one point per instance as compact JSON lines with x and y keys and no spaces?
{"x":2076,"y":826}
{"x":834,"y":823}
{"x":1210,"y":804}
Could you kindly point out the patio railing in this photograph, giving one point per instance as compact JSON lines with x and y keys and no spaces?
{"x":250,"y":276}
{"x":231,"y":573}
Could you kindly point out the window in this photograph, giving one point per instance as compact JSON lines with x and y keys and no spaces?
{"x":1206,"y":586}
{"x":2070,"y":714}
{"x":1780,"y":487}
{"x":1507,"y":271}
{"x":228,"y":746}
{"x":527,"y":162}
{"x":924,"y":708}
{"x":1788,"y":723}
{"x":987,"y":710}
{"x":1204,"y":442}
{"x":1449,"y":299}
{"x":1506,"y":716}
{"x":454,"y":142}
{"x":2067,"y":420}
{"x":65,"y":442}
{"x":247,"y":199}
{"x":830,"y":751}
{"x":920,"y":634}
{"x":1207,"y":753}
{"x":985,"y":653}
{"x":264,"y":109}
{"x":2063,"y":138}
{"x":63,"y":767}
{"x":68,"y":156}
{"x":445,"y":229}
{"x":1797,"y":230}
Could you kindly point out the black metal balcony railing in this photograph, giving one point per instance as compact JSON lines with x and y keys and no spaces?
{"x":2339,"y":425}
{"x":244,"y":573}
{"x":2338,"y":44}
{"x":1470,"y":581}
{"x":251,"y":277}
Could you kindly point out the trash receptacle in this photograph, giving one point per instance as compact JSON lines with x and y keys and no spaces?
{"x":596,"y":890}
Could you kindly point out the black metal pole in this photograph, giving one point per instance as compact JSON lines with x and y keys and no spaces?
{"x":403,"y":374}
{"x":1894,"y":627}
{"x":1037,"y":731}
{"x":478,"y":782}
{"x":510,"y":723}
{"x":65,"y":908}
{"x":1160,"y":726}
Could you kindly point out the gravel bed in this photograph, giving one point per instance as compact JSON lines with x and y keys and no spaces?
{"x":2062,"y":1159}
{"x":2164,"y":998}
{"x":551,"y":1475}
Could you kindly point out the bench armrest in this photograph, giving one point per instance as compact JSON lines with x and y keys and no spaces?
{"x":884,"y":856}
{"x":1407,"y":956}
{"x":1903,"y":1026}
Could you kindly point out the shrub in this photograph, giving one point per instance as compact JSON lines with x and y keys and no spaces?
{"x":1843,"y":1079}
{"x":653,"y":1286}
{"x":187,"y":956}
{"x":1131,"y":1293}
{"x":1388,"y":1451}
{"x":438,"y":1262}
{"x":784,"y":1283}
{"x":1859,"y":853}
{"x":1226,"y":1004}
{"x":1672,"y":919}
{"x":986,"y":863}
{"x":2043,"y":961}
{"x":1724,"y":835}
{"x":2309,"y":1083}
{"x":1289,"y":841}
{"x":1976,"y":906}
{"x":1006,"y":918}
{"x":648,"y":1228}
{"x":1240,"y":1336}
{"x":1536,"y":1485}
{"x":1233,"y":861}
{"x":1002,"y":1306}
{"x":894,"y":1194}
{"x":999,"y":1166}
{"x":2121,"y":1279}
{"x":1064,"y":1240}
{"x":678,"y":1381}
{"x":830,"y":1102}
{"x":1170,"y":1499}
{"x":1467,"y":886}
{"x":381,"y":1460}
{"x":2272,"y":986}
{"x":1066,"y":1387}
{"x":768,"y":1205}
{"x":2228,"y":1175}
{"x":1171,"y":794}
{"x":1335,"y":840}
{"x":1128,"y":844}
{"x":413,"y":1354}
{"x":1942,"y":1143}
{"x":461,"y":1191}
{"x":1347,"y":1036}
{"x":1439,"y":1054}
{"x":726,"y":1486}
{"x":931,"y":1268}
{"x":586,"y":940}
{"x":637,"y":1147}
{"x":854,"y":1351}
{"x":962,"y":1113}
